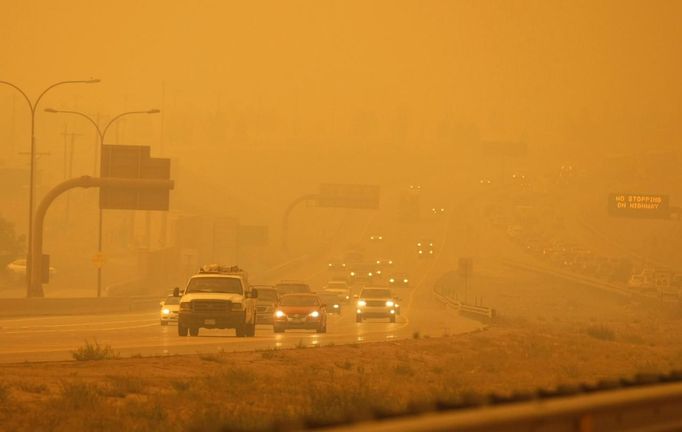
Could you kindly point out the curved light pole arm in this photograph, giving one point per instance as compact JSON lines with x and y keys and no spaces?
{"x":28,"y":100}
{"x":78,"y":113}
{"x":104,"y":131}
{"x":40,"y":96}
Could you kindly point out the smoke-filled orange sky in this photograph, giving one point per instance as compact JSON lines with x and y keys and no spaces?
{"x":566,"y":76}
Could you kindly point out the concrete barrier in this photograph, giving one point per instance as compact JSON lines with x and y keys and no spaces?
{"x":17,"y":307}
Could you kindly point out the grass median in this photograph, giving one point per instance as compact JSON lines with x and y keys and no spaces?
{"x":256,"y":390}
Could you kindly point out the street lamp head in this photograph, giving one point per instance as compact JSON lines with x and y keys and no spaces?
{"x":93,"y":81}
{"x":154,"y":111}
{"x":51,"y":110}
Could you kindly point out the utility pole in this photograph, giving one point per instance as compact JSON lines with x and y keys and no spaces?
{"x":69,"y":145}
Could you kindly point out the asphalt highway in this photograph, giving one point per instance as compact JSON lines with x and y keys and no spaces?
{"x":54,"y":338}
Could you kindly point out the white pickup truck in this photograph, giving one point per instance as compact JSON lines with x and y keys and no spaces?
{"x":217,"y":297}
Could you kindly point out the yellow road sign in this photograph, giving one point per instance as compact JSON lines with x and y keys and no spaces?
{"x":98,"y":259}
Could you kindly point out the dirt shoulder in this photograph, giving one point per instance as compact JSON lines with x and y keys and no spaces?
{"x":254,"y":390}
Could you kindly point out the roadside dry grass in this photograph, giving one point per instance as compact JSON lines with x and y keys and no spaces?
{"x":248,"y":391}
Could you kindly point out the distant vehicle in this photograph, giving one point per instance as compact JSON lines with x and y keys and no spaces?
{"x":169,"y":310}
{"x":415,"y":188}
{"x":336,"y":265}
{"x":376,"y":237}
{"x":398,"y":280}
{"x":642,"y":281}
{"x":265,"y":304}
{"x":217,"y":297}
{"x":375,"y":303}
{"x":384,"y":262}
{"x":340,"y":289}
{"x":300,"y":311}
{"x":17,"y":269}
{"x":363,"y":273}
{"x":437,"y":210}
{"x":425,"y":248}
{"x":331,"y":302}
{"x":485,"y":181}
{"x":292,"y":287}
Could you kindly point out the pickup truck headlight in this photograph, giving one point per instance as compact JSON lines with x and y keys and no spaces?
{"x":165,"y":311}
{"x":236,"y":306}
{"x":362,"y":303}
{"x":280,"y":314}
{"x":186,"y":306}
{"x":390,"y":303}
{"x":314,"y":314}
{"x":405,"y":280}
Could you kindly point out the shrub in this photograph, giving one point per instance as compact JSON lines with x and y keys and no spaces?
{"x":180,"y":385}
{"x":124,"y":385}
{"x":404,"y":369}
{"x":212,"y":357}
{"x":29,"y":387}
{"x":94,"y":351}
{"x":602,"y":332}
{"x":4,"y":392}
{"x":78,"y":395}
{"x":271,"y":353}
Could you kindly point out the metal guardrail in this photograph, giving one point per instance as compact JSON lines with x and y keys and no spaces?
{"x":475,"y":311}
{"x":645,"y":403}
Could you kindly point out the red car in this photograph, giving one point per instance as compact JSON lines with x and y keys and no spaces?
{"x":300,"y":311}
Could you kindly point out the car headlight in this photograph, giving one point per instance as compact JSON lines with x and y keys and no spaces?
{"x":314,"y":314}
{"x":378,"y":272}
{"x":421,"y":252}
{"x":378,"y":262}
{"x":336,"y":306}
{"x":352,"y":273}
{"x":391,"y":280}
{"x":362,"y":303}
{"x":431,"y":252}
{"x":330,"y":265}
{"x":236,"y":306}
{"x":389,"y":303}
{"x":369,"y":274}
{"x":165,"y":311}
{"x":405,"y":280}
{"x":280,"y":314}
{"x":186,"y":306}
{"x":347,"y":297}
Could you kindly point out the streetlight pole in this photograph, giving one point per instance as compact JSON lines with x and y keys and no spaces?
{"x":33,"y":106}
{"x":101,"y":133}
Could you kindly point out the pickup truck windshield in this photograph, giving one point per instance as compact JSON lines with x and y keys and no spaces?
{"x":215,"y":285}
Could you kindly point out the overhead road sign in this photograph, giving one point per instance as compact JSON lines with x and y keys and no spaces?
{"x":632,"y":205}
{"x":349,"y":196}
{"x":133,"y":162}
